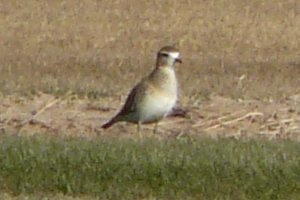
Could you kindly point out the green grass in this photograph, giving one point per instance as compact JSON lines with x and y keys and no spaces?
{"x":111,"y":168}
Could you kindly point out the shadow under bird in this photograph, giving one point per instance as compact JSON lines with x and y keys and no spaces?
{"x":154,"y":97}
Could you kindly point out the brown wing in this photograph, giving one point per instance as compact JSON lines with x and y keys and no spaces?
{"x":134,"y":96}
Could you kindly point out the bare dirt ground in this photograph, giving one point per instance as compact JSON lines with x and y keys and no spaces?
{"x":218,"y":117}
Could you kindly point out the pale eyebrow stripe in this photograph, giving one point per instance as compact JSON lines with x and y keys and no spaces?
{"x":174,"y":54}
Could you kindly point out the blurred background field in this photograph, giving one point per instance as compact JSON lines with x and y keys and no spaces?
{"x":101,"y":48}
{"x":239,"y":58}
{"x":67,"y":66}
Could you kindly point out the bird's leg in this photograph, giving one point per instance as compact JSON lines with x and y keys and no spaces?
{"x":155,"y":128}
{"x":139,"y":126}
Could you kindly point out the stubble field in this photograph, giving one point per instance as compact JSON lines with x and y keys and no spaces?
{"x":239,"y":58}
{"x":67,"y":66}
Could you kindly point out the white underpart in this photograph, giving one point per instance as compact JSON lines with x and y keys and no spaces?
{"x":160,"y":103}
{"x":174,"y":55}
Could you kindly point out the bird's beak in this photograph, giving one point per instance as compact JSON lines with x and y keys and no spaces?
{"x":178,"y":60}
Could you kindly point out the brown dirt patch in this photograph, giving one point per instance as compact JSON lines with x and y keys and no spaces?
{"x":217,"y":117}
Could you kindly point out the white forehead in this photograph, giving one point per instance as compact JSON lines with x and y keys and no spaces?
{"x":174,"y":54}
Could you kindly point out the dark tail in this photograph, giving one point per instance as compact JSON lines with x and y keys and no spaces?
{"x":109,"y":124}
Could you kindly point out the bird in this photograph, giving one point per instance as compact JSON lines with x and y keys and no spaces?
{"x":154,"y":97}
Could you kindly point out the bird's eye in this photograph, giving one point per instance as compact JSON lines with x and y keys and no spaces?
{"x":165,"y":54}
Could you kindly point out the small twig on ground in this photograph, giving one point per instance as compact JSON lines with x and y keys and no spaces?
{"x":218,"y":119}
{"x":287,"y":121}
{"x":41,"y":110}
{"x":180,"y":135}
{"x":50,"y":104}
{"x":251,"y":114}
{"x":293,"y":128}
{"x":42,"y":123}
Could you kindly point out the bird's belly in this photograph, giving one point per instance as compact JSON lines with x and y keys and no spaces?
{"x":156,"y":107}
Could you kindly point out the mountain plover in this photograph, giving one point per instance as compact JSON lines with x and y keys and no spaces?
{"x":154,"y":96}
